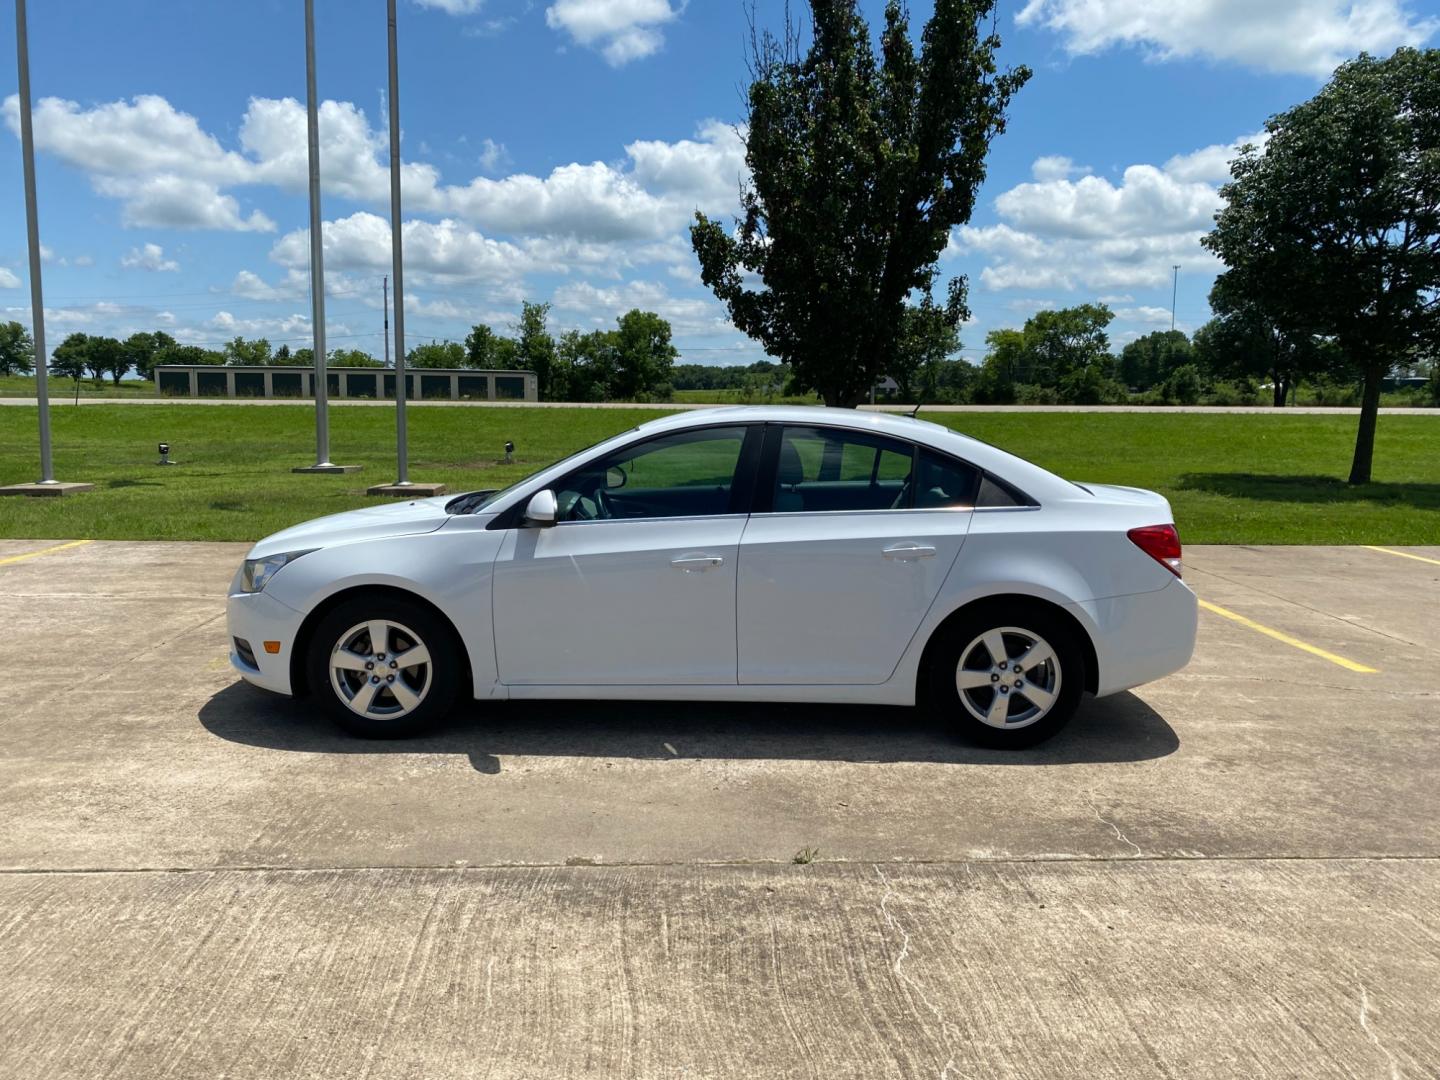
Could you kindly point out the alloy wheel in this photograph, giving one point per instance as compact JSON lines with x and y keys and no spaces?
{"x":380,"y":669}
{"x":1008,"y":678}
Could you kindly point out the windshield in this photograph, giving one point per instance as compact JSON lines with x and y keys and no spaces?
{"x":473,"y":502}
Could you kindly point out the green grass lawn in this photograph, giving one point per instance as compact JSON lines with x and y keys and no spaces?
{"x":1232,"y":478}
{"x":64,"y":389}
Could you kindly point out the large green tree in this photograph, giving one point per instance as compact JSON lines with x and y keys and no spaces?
{"x":17,"y":349}
{"x":145,"y":349}
{"x":1149,"y":359}
{"x":435,"y":354}
{"x":535,"y":348}
{"x":644,"y":356}
{"x":1335,"y":225}
{"x":927,"y":337}
{"x":1243,"y":341}
{"x":71,"y":358}
{"x":243,"y":352}
{"x":863,"y":157}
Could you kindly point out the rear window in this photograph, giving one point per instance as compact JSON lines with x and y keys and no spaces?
{"x":944,"y":482}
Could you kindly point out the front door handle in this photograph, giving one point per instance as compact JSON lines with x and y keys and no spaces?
{"x":907,"y":552}
{"x":696,"y":564}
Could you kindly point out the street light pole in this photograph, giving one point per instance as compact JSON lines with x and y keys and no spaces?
{"x":385,"y":308}
{"x":1174,"y":292}
{"x":47,"y":484}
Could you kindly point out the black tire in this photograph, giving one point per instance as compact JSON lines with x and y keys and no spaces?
{"x":957,"y":644}
{"x":436,"y":684}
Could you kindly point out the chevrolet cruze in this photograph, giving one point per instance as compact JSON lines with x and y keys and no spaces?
{"x":745,"y":554}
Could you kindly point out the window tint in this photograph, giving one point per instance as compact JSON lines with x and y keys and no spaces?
{"x":993,"y":494}
{"x":822,"y":469}
{"x":945,"y":482}
{"x":688,"y":474}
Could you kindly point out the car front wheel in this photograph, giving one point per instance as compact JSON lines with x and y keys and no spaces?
{"x":385,"y":668}
{"x":1010,"y":676}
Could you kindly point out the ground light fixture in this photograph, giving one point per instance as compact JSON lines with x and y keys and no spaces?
{"x":165,"y":455}
{"x":509,"y":452}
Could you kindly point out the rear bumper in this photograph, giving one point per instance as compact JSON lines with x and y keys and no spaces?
{"x":1143,"y":637}
{"x":257,"y":618}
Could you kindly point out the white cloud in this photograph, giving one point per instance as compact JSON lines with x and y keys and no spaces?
{"x":447,"y":249}
{"x":8,"y":280}
{"x":83,"y":260}
{"x":294,"y":286}
{"x":493,"y":156}
{"x":622,"y":30}
{"x":1309,"y":37}
{"x":1057,"y":167}
{"x":168,"y":172}
{"x":1212,"y":163}
{"x":453,"y":7}
{"x":1146,"y":313}
{"x":1096,"y":233}
{"x":150,"y":257}
{"x":598,"y":308}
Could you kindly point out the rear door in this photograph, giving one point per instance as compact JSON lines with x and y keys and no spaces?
{"x":851,"y":536}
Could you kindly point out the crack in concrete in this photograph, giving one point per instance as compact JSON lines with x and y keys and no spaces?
{"x":1095,"y":806}
{"x":946,"y":1027}
{"x":1370,"y":1032}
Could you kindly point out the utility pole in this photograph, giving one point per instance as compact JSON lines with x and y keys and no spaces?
{"x":1174,"y":292}
{"x":321,"y":380}
{"x":402,"y":485}
{"x":385,"y":307}
{"x":47,"y":484}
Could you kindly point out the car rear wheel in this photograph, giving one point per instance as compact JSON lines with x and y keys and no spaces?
{"x":1011,"y":676}
{"x":385,"y":668}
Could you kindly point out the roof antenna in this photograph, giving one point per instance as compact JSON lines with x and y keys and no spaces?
{"x":915,"y":411}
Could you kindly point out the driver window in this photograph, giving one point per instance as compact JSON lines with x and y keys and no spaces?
{"x":687,"y":474}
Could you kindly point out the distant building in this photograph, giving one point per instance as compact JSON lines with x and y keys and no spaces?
{"x":424,"y":384}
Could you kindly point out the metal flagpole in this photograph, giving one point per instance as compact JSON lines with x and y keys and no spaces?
{"x":47,"y":484}
{"x":402,"y":450}
{"x":1174,"y":292}
{"x":321,"y":380}
{"x":317,"y":247}
{"x":385,"y":307}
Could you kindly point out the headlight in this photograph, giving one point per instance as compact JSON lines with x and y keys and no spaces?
{"x":258,"y":572}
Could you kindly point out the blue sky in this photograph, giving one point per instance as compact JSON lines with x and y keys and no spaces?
{"x":556,"y":150}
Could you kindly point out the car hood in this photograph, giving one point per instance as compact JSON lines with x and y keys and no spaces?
{"x":369,"y":523}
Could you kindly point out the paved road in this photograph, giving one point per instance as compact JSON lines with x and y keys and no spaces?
{"x":1252,"y":410}
{"x":1229,"y":873}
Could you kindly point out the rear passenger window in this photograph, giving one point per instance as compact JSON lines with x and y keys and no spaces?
{"x":825,"y":469}
{"x":994,"y":495}
{"x":945,"y":482}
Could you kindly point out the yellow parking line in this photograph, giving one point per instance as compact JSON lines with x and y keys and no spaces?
{"x":1349,"y":665}
{"x":1403,"y":554}
{"x":44,"y":551}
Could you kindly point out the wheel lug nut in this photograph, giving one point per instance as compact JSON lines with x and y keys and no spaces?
{"x":369,"y":666}
{"x":374,"y":678}
{"x":392,"y":663}
{"x":1004,"y":689}
{"x":389,"y":678}
{"x":380,"y":656}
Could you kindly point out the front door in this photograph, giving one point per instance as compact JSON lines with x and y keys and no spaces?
{"x":635,"y":583}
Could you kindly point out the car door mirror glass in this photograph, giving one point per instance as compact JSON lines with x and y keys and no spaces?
{"x":616,"y":477}
{"x":541,"y":509}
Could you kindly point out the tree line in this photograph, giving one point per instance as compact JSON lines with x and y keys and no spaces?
{"x":632,"y":362}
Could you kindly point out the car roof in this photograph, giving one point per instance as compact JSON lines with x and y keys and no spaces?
{"x":1024,"y":474}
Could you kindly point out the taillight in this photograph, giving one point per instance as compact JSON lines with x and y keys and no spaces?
{"x":1161,"y":543}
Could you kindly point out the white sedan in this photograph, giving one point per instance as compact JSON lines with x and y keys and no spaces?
{"x":742,"y":554}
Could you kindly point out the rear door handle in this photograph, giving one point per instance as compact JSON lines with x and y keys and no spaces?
{"x":907,"y":552}
{"x":696,"y":564}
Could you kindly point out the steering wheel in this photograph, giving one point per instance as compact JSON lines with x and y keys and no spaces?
{"x":603,"y":509}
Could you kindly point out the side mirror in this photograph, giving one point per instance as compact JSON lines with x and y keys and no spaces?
{"x":541,"y":510}
{"x":616,"y":477}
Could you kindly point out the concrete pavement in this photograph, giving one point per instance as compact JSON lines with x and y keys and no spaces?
{"x":1229,"y":873}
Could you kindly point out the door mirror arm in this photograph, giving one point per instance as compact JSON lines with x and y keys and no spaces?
{"x":541,"y":511}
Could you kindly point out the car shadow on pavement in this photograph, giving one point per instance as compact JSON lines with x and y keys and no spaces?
{"x":1121,"y":728}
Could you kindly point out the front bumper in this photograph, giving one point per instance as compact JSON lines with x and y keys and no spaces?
{"x":257,"y":618}
{"x":1142,"y":637}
